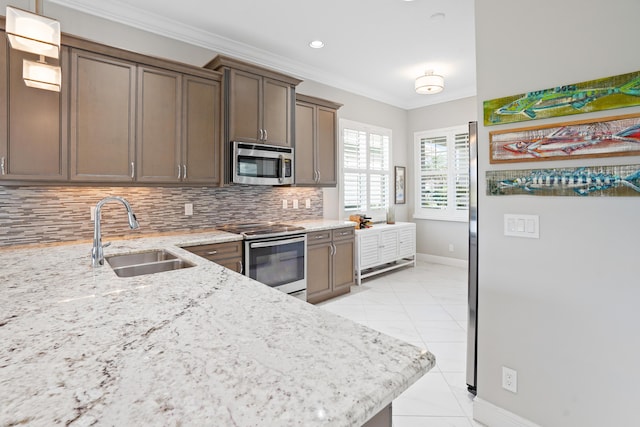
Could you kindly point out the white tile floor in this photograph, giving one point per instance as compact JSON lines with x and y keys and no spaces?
{"x":425,"y":305}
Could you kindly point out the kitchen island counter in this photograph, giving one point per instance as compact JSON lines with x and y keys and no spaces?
{"x":196,"y":346}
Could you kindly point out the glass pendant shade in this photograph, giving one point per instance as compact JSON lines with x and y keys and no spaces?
{"x":429,"y":83}
{"x":33,"y":33}
{"x":41,"y":76}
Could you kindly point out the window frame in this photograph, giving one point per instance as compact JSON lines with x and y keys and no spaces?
{"x":375,"y":214}
{"x":450,"y":213}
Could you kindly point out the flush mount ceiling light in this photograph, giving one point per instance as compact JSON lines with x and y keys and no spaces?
{"x":41,"y":76}
{"x":33,"y":33}
{"x":316,"y":44}
{"x":429,"y":83}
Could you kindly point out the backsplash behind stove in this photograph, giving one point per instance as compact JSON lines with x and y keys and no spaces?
{"x":45,"y":214}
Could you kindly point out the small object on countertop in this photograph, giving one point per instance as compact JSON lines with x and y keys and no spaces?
{"x":361,"y":220}
{"x":391,"y":215}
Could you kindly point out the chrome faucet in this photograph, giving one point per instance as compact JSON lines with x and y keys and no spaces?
{"x":97,"y":252}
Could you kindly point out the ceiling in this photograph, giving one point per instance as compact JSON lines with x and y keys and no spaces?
{"x":374,"y":48}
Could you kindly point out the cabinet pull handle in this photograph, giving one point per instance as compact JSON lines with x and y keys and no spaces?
{"x":319,"y":236}
{"x":261,"y":137}
{"x":179,"y":172}
{"x":2,"y":165}
{"x":212,"y":252}
{"x":133,"y":170}
{"x":318,"y":180}
{"x":184,"y":171}
{"x":241,"y":267}
{"x":333,"y":249}
{"x":266,"y":135}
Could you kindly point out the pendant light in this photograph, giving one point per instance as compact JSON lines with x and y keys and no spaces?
{"x":41,"y":75}
{"x":37,"y":34}
{"x":429,"y":83}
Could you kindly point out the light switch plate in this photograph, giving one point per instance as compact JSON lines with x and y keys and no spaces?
{"x":520,"y":225}
{"x":284,"y":204}
{"x":188,"y":209}
{"x":295,"y":203}
{"x":307,"y":203}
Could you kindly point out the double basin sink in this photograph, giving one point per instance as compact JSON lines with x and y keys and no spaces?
{"x":149,"y":262}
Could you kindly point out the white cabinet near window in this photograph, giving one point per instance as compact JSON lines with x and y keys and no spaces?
{"x":384,"y":247}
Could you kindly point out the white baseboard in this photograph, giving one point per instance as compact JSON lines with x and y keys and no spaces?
{"x":494,"y":416}
{"x":442,"y":260}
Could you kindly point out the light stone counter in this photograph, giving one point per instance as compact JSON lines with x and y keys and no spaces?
{"x":198,"y":346}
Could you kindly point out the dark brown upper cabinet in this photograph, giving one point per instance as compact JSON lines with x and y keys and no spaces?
{"x":178,"y":128}
{"x":103,"y":100}
{"x":316,"y":141}
{"x":201,"y":130}
{"x":259,"y":103}
{"x":120,"y":118}
{"x":33,"y":131}
{"x":159,"y":117}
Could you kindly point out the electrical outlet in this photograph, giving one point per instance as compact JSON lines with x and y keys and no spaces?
{"x":509,"y":379}
{"x":188,"y":209}
{"x":307,"y":203}
{"x":93,"y":213}
{"x":284,"y":204}
{"x":295,"y":203}
{"x":450,"y":247}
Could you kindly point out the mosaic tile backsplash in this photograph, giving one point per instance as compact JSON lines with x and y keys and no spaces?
{"x":30,"y":215}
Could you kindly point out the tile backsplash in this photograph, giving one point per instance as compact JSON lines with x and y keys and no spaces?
{"x":45,"y":214}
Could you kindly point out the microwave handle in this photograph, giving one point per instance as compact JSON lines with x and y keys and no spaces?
{"x":277,"y":242}
{"x":283,"y":169}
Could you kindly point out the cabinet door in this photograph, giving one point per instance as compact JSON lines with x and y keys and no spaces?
{"x":305,"y":144}
{"x":343,"y":266}
{"x":34,"y":132}
{"x":234,"y":264}
{"x":326,"y":146}
{"x":406,"y":242}
{"x":201,"y":151}
{"x":158,"y":126}
{"x":319,"y":273}
{"x":103,"y":92}
{"x":388,"y":245}
{"x":277,"y":109}
{"x":369,"y":250}
{"x":244,"y":106}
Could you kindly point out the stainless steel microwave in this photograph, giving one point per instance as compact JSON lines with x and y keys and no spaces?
{"x":261,"y":164}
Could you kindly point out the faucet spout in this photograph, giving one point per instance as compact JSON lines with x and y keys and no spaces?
{"x":97,"y":251}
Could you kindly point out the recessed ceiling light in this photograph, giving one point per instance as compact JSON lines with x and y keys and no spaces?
{"x":317,"y":44}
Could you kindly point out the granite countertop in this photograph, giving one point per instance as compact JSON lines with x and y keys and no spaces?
{"x":197,"y":346}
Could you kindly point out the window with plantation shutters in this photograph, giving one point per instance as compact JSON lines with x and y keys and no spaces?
{"x":365,"y":168}
{"x":442,"y":174}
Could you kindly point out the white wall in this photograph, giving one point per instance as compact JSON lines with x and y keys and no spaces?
{"x":561,"y":310}
{"x":434,"y":237}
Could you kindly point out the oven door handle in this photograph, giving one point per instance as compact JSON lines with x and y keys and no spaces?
{"x":277,"y":242}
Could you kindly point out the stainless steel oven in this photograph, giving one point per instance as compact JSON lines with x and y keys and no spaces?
{"x":279,"y":262}
{"x":261,"y":164}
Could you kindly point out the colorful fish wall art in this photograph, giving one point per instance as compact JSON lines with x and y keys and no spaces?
{"x":593,"y":95}
{"x":609,"y":181}
{"x":614,"y":136}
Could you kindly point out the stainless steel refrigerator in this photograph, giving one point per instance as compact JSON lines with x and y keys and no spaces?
{"x":472,"y":322}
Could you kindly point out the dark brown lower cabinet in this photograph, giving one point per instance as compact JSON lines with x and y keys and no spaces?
{"x":330,"y":263}
{"x":381,"y":419}
{"x":228,"y":254}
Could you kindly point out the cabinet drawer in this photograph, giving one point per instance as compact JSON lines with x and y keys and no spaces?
{"x":218,"y":251}
{"x":318,"y":237}
{"x":344,"y":233}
